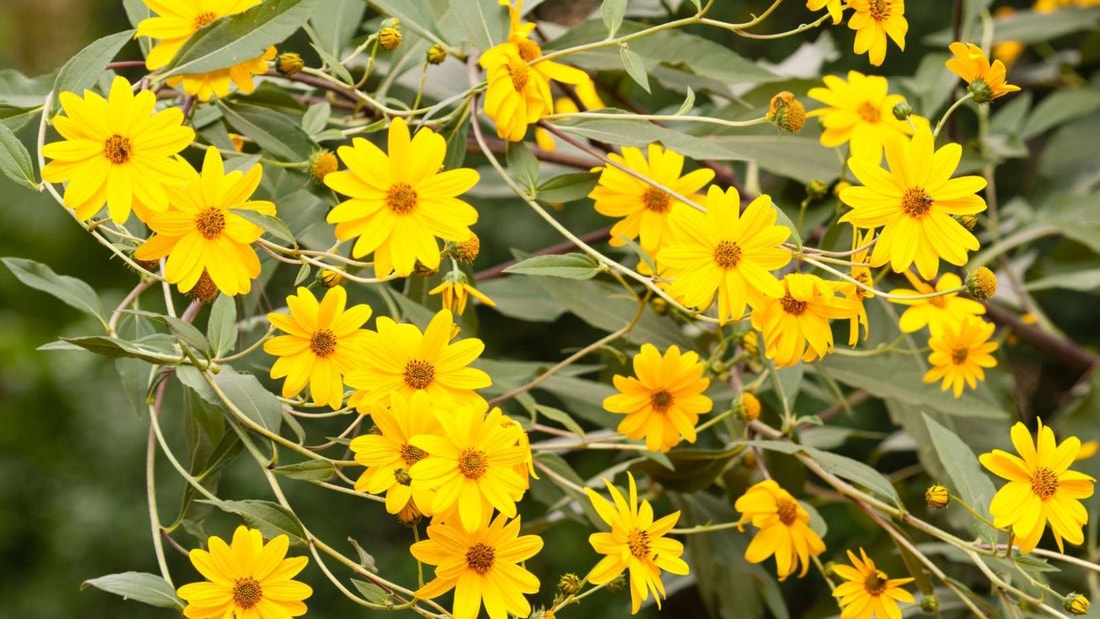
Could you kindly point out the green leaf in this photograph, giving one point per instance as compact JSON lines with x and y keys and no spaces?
{"x":635,"y":67}
{"x":365,"y":558}
{"x":256,"y":402}
{"x":962,"y":466}
{"x":270,"y":518}
{"x":521,"y":297}
{"x":337,"y":24}
{"x":793,"y":156}
{"x":221,"y":327}
{"x":82,"y":71}
{"x":612,"y":12}
{"x":20,"y":92}
{"x":271,"y":224}
{"x":482,"y":21}
{"x":316,"y":117}
{"x":69,"y":290}
{"x":274,"y":132}
{"x":784,"y":220}
{"x":640,"y":133}
{"x":372,"y":592}
{"x":689,"y":102}
{"x":184,"y":331}
{"x":1059,"y":108}
{"x":134,"y":376}
{"x":567,"y":187}
{"x":310,"y":470}
{"x":561,"y":417}
{"x":841,"y":466}
{"x":568,"y":266}
{"x":523,"y":165}
{"x":1085,"y":280}
{"x":114,"y":348}
{"x":15,"y":161}
{"x":237,"y":38}
{"x":139,"y":587}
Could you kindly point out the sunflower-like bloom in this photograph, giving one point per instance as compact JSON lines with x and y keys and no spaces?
{"x":116,"y":151}
{"x":664,"y":402}
{"x":727,"y":253}
{"x":873,"y":21}
{"x":914,"y":203}
{"x":401,"y":202}
{"x":174,"y":24}
{"x":246,"y":579}
{"x":399,"y":357}
{"x":784,"y":529}
{"x":472,"y":465}
{"x":1040,"y":488}
{"x":833,"y":6}
{"x":388,"y":455}
{"x":481,"y":565}
{"x":860,"y":113}
{"x":796,"y":326}
{"x":987,"y":82}
{"x":323,"y":342}
{"x":959,"y":352}
{"x":868,"y":592}
{"x":636,"y":543}
{"x":455,"y":291}
{"x":934,"y":312}
{"x":645,"y":208}
{"x":200,"y":232}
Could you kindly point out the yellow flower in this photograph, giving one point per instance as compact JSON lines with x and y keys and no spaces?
{"x":914,"y":203}
{"x":646,"y":209}
{"x":388,"y":455}
{"x":869,"y":593}
{"x":854,"y":293}
{"x":516,"y":95}
{"x":784,"y":529}
{"x":116,"y":151}
{"x":401,"y":202}
{"x":481,"y":566}
{"x":471,"y":465}
{"x":401,"y":358}
{"x":934,"y":312}
{"x":833,"y":6}
{"x":796,"y":326}
{"x":987,"y":82}
{"x":636,"y":544}
{"x":664,"y":402}
{"x":246,"y":579}
{"x":1040,"y":488}
{"x":982,"y":283}
{"x":873,"y":21}
{"x":959,"y":352}
{"x":1076,"y":604}
{"x":324,"y":342}
{"x":860,"y":113}
{"x":200,"y":232}
{"x":727,"y":253}
{"x":174,"y":24}
{"x":456,"y":291}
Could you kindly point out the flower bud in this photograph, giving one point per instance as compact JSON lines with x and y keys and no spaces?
{"x":436,"y":54}
{"x":330,"y":278}
{"x":289,"y":63}
{"x":751,"y":343}
{"x":410,"y":515}
{"x":982,"y":283}
{"x":902,"y":110}
{"x":1076,"y":604}
{"x":205,"y":289}
{"x":149,"y":265}
{"x":937,"y":496}
{"x":980,"y":91}
{"x":839,"y":187}
{"x":968,"y":221}
{"x":748,"y":407}
{"x":323,"y":164}
{"x":786,"y":112}
{"x":659,"y":305}
{"x":748,"y":459}
{"x":389,"y":37}
{"x":466,"y":251}
{"x":570,"y":584}
{"x":930,"y":604}
{"x":616,"y":583}
{"x":817,"y":190}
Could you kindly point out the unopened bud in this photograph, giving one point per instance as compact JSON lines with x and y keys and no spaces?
{"x":980,"y":91}
{"x":410,"y":515}
{"x":659,"y":305}
{"x":436,"y":54}
{"x":937,"y":496}
{"x":748,"y":407}
{"x":786,"y":112}
{"x":748,"y":460}
{"x":902,"y":110}
{"x":289,"y":63}
{"x":570,"y":584}
{"x":323,"y":164}
{"x":930,"y":604}
{"x":982,"y":283}
{"x":389,"y":37}
{"x":751,"y":343}
{"x":330,"y":278}
{"x":817,"y":190}
{"x":968,"y":221}
{"x":1076,"y":604}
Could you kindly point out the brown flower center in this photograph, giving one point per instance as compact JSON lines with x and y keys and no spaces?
{"x":916,"y":202}
{"x":473,"y":463}
{"x":401,"y":198}
{"x":875,"y":583}
{"x":727,"y":254}
{"x":205,"y":289}
{"x":518,"y":72}
{"x":480,"y":558}
{"x":323,"y":343}
{"x":862,"y":276}
{"x":869,"y":113}
{"x":787,"y":510}
{"x":411,"y":455}
{"x":529,"y":50}
{"x":880,"y":9}
{"x":656,"y":200}
{"x":210,"y":222}
{"x":638,"y":543}
{"x":247,"y":593}
{"x":959,"y":355}
{"x":792,"y":305}
{"x":419,"y":374}
{"x":204,"y":18}
{"x":118,"y":149}
{"x":661,"y":401}
{"x":1044,"y":483}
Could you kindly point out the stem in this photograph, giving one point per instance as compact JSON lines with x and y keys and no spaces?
{"x":950,"y":110}
{"x":659,"y":117}
{"x":151,"y":488}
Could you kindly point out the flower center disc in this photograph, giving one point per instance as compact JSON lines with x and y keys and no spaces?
{"x":656,"y":200}
{"x":480,"y":557}
{"x":247,"y":593}
{"x":880,"y":9}
{"x":210,"y":222}
{"x":411,"y":455}
{"x":419,"y":374}
{"x":323,"y":343}
{"x":204,"y":18}
{"x":792,"y":305}
{"x":529,"y":50}
{"x":1044,"y":483}
{"x":661,"y":400}
{"x":875,"y":584}
{"x":117,"y":149}
{"x":518,"y":72}
{"x":869,"y":113}
{"x":959,"y":355}
{"x":916,"y":202}
{"x":401,"y":198}
{"x":727,"y":254}
{"x":473,"y":463}
{"x":787,"y":510}
{"x":638,"y":542}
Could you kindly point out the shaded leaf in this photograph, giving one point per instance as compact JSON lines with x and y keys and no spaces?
{"x":337,"y":23}
{"x":70,"y":290}
{"x":522,"y":164}
{"x":567,"y":187}
{"x":841,"y":466}
{"x":221,"y":327}
{"x":372,"y":592}
{"x":568,"y":266}
{"x":15,"y":161}
{"x":274,"y":132}
{"x":635,"y":67}
{"x":248,"y":395}
{"x":612,"y":13}
{"x":965,"y":472}
{"x":310,"y":470}
{"x":271,"y":224}
{"x":82,"y":71}
{"x":270,"y":518}
{"x":139,"y":587}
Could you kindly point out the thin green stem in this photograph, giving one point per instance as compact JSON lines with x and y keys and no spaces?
{"x":951,"y":110}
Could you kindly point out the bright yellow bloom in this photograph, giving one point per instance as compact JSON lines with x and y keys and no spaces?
{"x":1040,"y":488}
{"x":959,"y":352}
{"x":833,"y":6}
{"x":174,"y":24}
{"x":471,"y":465}
{"x":481,"y":566}
{"x":636,"y":543}
{"x":246,"y":579}
{"x":869,"y":593}
{"x":399,"y":357}
{"x":388,"y":455}
{"x":664,"y":402}
{"x":796,"y":326}
{"x":727,"y":253}
{"x":456,"y":292}
{"x":934,"y":312}
{"x":646,"y":209}
{"x":116,"y":151}
{"x":873,"y":21}
{"x":914,"y":203}
{"x":401,"y":202}
{"x":324,"y":342}
{"x":784,"y":528}
{"x":987,"y":82}
{"x":854,"y":293}
{"x":860,"y":113}
{"x":200,"y":232}
{"x":1076,"y":604}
